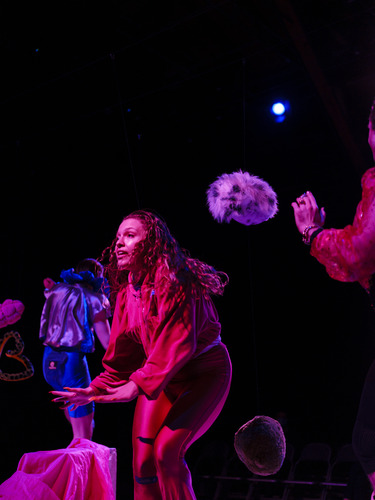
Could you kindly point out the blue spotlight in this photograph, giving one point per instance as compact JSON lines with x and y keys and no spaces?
{"x":279,"y":110}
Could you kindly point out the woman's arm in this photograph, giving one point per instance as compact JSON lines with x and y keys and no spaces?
{"x":122,"y":394}
{"x":348,"y":254}
{"x":78,"y":397}
{"x":123,"y":355}
{"x":102,"y":328}
{"x":173,"y":339}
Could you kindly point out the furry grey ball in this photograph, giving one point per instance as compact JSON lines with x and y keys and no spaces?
{"x":242,"y":197}
{"x":260,"y":445}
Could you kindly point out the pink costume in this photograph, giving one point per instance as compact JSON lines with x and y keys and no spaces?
{"x":82,"y":471}
{"x":349,"y":255}
{"x":167,"y":340}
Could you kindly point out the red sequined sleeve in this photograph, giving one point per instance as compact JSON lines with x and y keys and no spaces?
{"x":349,"y":253}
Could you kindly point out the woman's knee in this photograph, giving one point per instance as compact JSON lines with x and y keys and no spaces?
{"x":144,"y":469}
{"x":168,"y":456}
{"x":143,"y":457}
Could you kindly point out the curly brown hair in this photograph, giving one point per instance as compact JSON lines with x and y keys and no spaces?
{"x":160,"y":251}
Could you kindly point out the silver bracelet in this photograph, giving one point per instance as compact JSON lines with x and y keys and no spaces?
{"x":305,"y":234}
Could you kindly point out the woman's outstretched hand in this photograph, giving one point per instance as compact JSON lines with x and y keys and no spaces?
{"x":122,"y":394}
{"x":76,"y":396}
{"x":307,"y":213}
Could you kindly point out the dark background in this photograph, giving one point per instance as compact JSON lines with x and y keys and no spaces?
{"x":109,"y":107}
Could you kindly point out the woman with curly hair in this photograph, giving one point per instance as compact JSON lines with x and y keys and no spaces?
{"x":165,"y":349}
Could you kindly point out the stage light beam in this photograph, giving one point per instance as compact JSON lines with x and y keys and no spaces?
{"x":279,"y":110}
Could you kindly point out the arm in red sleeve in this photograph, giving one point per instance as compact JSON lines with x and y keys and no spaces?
{"x":349,"y":254}
{"x":123,"y":355}
{"x":172,"y":340}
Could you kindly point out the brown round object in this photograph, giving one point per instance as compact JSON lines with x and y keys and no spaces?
{"x":260,"y":445}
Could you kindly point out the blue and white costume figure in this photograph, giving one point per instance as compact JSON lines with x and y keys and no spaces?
{"x":72,"y":310}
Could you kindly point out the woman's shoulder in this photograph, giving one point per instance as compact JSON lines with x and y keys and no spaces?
{"x":175,"y":283}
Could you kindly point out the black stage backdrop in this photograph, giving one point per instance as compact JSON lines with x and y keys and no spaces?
{"x":113,"y":108}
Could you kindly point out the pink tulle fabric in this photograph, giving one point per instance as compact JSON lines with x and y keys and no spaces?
{"x":349,"y":253}
{"x":10,"y":312}
{"x":80,"y":472}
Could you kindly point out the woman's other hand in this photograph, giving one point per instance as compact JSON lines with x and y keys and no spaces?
{"x":307,"y":213}
{"x":121,"y":394}
{"x":76,"y":396}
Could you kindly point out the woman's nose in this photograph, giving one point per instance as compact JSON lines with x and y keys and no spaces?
{"x":119,"y":243}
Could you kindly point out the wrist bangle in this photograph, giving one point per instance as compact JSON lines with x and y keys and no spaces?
{"x":305,"y":234}
{"x":315,"y":233}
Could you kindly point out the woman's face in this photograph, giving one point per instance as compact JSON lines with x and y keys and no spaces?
{"x":129,"y":234}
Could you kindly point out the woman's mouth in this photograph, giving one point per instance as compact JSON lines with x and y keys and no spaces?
{"x":121,"y":253}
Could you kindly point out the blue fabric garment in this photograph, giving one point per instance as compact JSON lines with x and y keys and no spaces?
{"x":66,"y":321}
{"x":85,"y":277}
{"x":67,"y":369}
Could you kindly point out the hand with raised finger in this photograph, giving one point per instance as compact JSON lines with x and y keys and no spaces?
{"x":307,"y":212}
